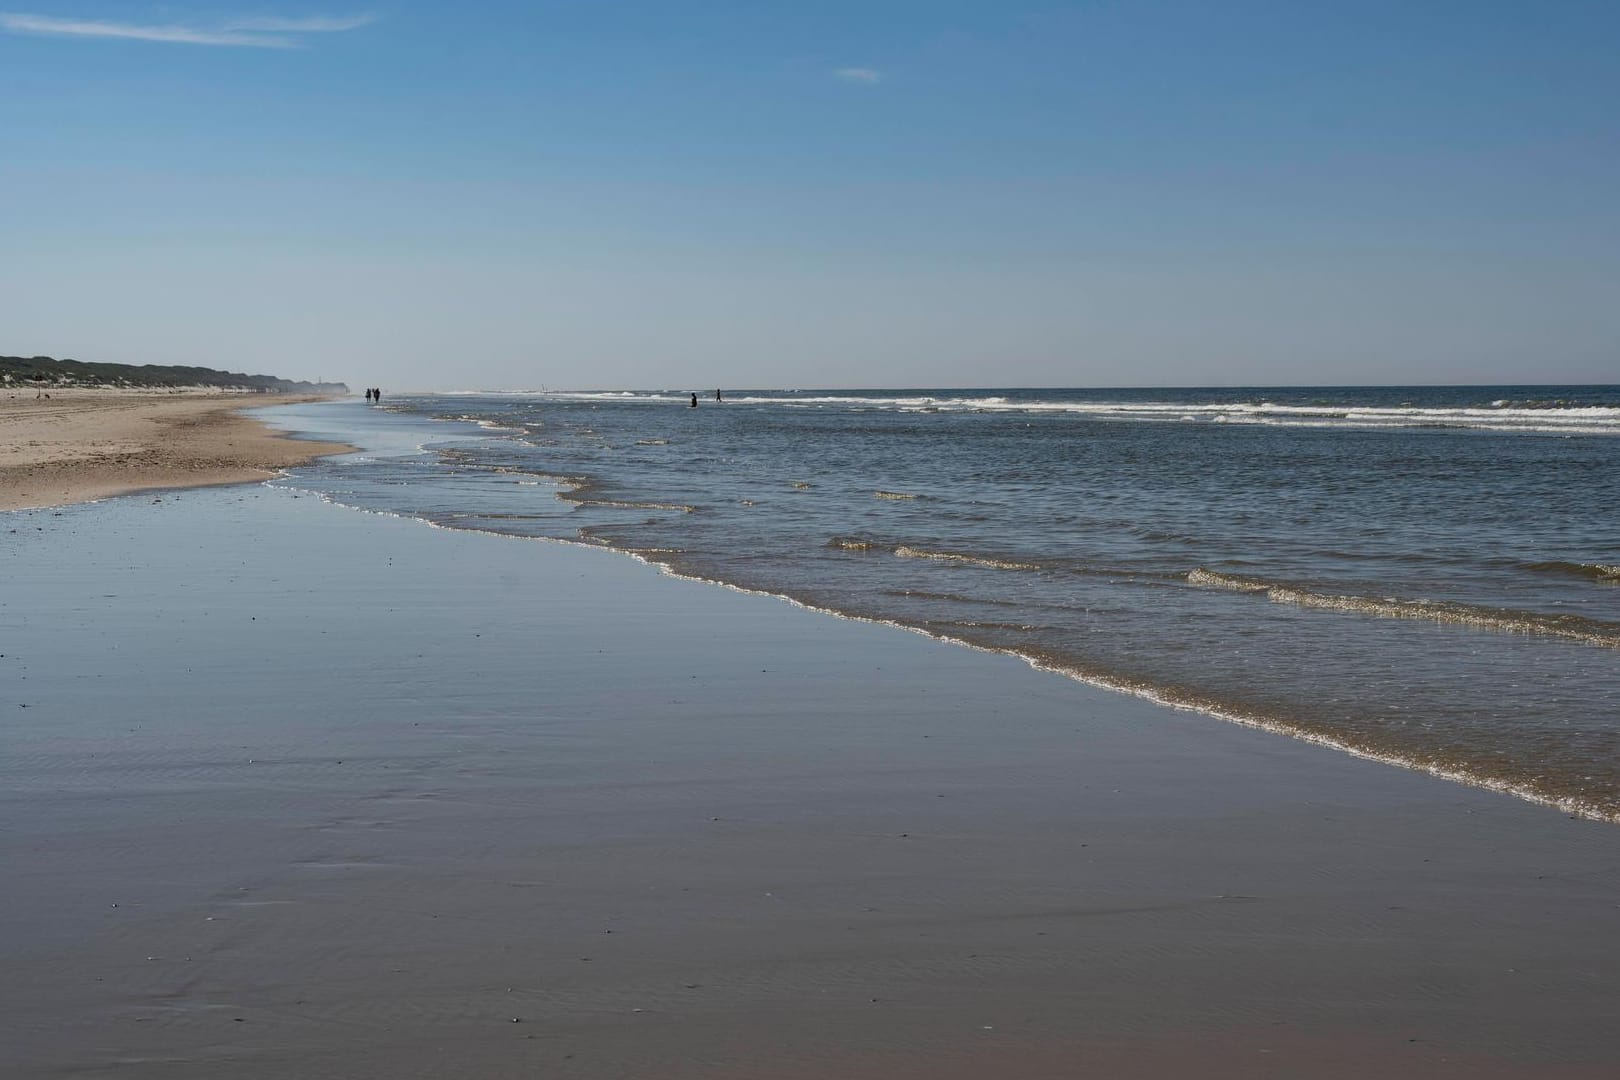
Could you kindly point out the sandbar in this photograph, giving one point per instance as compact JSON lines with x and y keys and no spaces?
{"x":82,"y":444}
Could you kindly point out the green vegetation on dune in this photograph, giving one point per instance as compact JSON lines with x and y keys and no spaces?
{"x":43,"y":371}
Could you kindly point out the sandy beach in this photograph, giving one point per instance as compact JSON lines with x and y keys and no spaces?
{"x":294,"y":791}
{"x":83,"y":444}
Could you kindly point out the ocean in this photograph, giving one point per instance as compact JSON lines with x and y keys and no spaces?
{"x":1429,"y":576}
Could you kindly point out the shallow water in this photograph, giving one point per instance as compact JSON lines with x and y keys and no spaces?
{"x":1426,"y":575}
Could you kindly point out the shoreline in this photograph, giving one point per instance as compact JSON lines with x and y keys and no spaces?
{"x":81,"y":445}
{"x":1570,"y":807}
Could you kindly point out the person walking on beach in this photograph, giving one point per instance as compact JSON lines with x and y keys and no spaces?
{"x":717,"y":395}
{"x":694,"y":401}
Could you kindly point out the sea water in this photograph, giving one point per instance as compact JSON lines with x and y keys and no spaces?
{"x":1428,"y":576}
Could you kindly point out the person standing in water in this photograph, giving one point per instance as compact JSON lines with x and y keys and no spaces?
{"x":694,"y":401}
{"x":717,"y":395}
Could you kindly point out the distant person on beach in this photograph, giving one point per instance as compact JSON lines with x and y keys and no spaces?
{"x":717,"y":395}
{"x":694,"y":401}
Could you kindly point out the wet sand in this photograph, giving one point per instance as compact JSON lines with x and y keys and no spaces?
{"x":293,"y":791}
{"x":82,"y":444}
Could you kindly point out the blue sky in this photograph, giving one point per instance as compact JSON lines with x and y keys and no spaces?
{"x":935,"y":193}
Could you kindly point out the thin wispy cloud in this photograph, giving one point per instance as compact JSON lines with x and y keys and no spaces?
{"x":315,"y":24}
{"x":258,"y":33}
{"x":858,"y":75}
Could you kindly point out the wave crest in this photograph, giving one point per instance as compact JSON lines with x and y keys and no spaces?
{"x":1507,"y":620}
{"x":1603,"y":572}
{"x":906,"y":551}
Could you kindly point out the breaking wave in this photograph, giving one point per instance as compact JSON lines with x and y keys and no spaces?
{"x":1553,"y":416}
{"x":1602,"y":572}
{"x":1508,"y":620}
{"x":906,"y":551}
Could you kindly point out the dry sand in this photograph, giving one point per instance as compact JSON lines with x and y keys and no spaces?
{"x":84,"y":444}
{"x":291,"y":791}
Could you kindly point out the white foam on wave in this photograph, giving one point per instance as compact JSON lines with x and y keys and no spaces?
{"x":1502,"y":415}
{"x":1570,"y":627}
